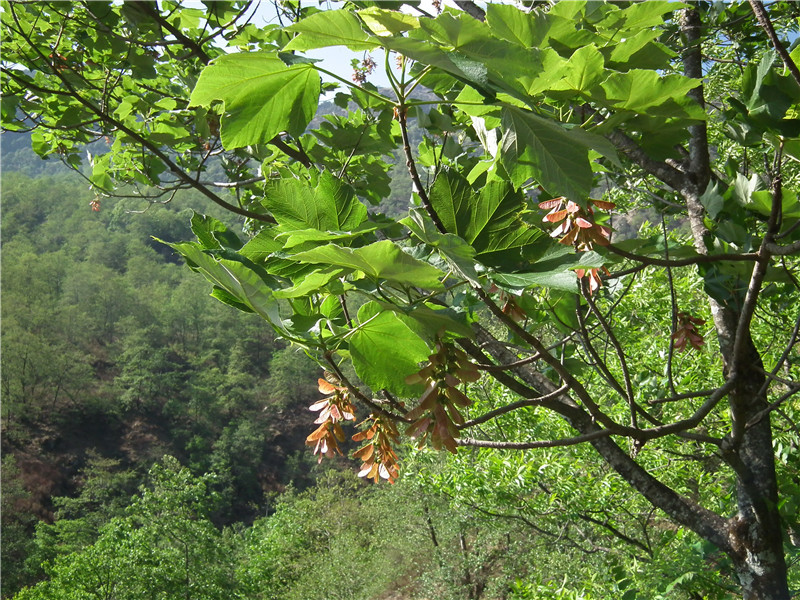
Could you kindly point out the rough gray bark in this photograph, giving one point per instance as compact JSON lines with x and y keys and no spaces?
{"x":754,"y":533}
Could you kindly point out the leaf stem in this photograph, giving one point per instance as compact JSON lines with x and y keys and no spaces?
{"x":353,"y":85}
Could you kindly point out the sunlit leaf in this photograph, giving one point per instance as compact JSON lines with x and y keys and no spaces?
{"x":261,"y":95}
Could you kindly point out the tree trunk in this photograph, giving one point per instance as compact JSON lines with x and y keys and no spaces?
{"x":755,"y":533}
{"x":755,"y":538}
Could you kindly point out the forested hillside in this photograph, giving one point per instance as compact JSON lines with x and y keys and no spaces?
{"x":114,"y":356}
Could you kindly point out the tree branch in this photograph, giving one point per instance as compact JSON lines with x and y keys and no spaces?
{"x":763,"y":19}
{"x":412,"y":171}
{"x":492,"y":414}
{"x":175,"y":169}
{"x":572,"y":441}
{"x":472,"y":9}
{"x":661,"y":170}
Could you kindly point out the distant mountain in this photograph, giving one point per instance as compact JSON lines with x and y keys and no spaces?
{"x":17,"y":155}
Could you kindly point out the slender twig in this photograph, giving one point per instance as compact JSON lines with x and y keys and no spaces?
{"x":686,"y":396}
{"x":599,"y":363}
{"x":571,"y":441}
{"x":359,"y":394}
{"x":412,"y":170}
{"x":509,"y":366}
{"x":785,"y":355}
{"x":623,"y":363}
{"x":234,"y":184}
{"x":673,"y":312}
{"x":615,"y":532}
{"x":492,"y":414}
{"x":761,"y":414}
{"x":501,"y":377}
{"x":180,"y":173}
{"x":155,"y":14}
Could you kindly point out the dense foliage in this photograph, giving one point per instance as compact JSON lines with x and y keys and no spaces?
{"x":112,"y":357}
{"x":513,"y":307}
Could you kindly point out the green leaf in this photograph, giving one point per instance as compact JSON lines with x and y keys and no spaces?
{"x":743,"y":188}
{"x":640,"y":52}
{"x":305,"y":236}
{"x":641,"y":91}
{"x":379,"y":360}
{"x":510,"y":23}
{"x":262,"y":96}
{"x":329,"y":28}
{"x":559,"y":280}
{"x":381,"y":260}
{"x":226,"y":298}
{"x":330,"y":206}
{"x":712,"y":199}
{"x":586,"y":69}
{"x":467,"y":70}
{"x":553,"y":269}
{"x":383,"y":22}
{"x":640,"y":15}
{"x":213,"y":234}
{"x":441,"y":320}
{"x":310,"y":283}
{"x":761,"y":202}
{"x":488,"y":221}
{"x":235,"y":277}
{"x":459,"y":255}
{"x":538,"y":148}
{"x":262,"y":245}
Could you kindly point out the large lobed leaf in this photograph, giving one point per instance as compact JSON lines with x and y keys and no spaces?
{"x":330,"y":206}
{"x":488,"y":221}
{"x":540,"y":148}
{"x":329,"y":28}
{"x":385,"y":349}
{"x":381,"y":260}
{"x":236,"y":276}
{"x":261,"y":95}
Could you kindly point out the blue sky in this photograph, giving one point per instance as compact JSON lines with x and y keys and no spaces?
{"x":337,"y":59}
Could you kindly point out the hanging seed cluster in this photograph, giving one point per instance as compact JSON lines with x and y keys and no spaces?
{"x":377,"y":455}
{"x":686,"y":332}
{"x":437,"y":415}
{"x":334,"y":409}
{"x":577,"y":228}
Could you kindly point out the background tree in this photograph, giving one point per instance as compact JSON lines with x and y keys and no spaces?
{"x":547,"y":121}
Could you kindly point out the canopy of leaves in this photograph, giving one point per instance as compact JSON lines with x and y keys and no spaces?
{"x":542,"y":131}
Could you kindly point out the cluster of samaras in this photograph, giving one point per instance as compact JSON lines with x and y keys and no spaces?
{"x":437,"y":416}
{"x":577,"y":228}
{"x":378,"y":458}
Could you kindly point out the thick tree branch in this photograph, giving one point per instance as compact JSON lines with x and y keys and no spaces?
{"x":763,"y":19}
{"x":683,"y":262}
{"x":472,"y":9}
{"x":699,"y":164}
{"x":661,"y":170}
